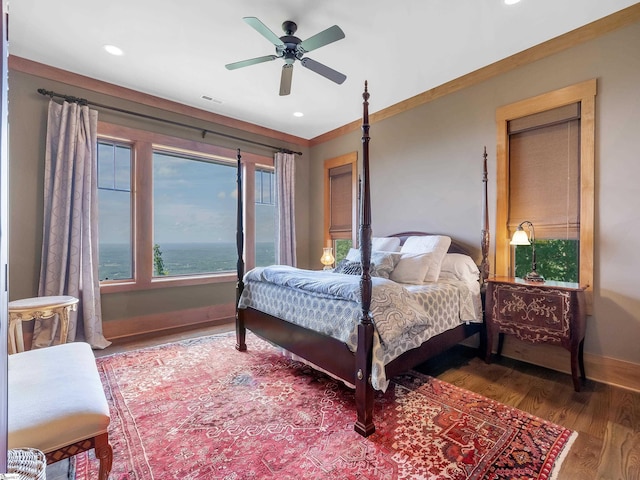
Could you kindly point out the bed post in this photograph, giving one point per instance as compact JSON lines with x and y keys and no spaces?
{"x":241,"y":331}
{"x":364,"y":390}
{"x":484,"y":266}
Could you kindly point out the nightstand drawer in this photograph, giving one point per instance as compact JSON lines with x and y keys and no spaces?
{"x":532,"y":314}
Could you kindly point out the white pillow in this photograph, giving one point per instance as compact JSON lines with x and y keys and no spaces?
{"x":386,"y":244}
{"x":434,"y":246}
{"x":412,"y":268}
{"x":460,"y":266}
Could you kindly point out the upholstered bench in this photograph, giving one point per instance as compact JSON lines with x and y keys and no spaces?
{"x":57,"y":404}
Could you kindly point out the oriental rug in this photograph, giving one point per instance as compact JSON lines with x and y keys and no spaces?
{"x":199,"y":409}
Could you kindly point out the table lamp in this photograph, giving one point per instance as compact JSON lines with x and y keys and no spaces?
{"x":520,"y":237}
{"x":327,"y":258}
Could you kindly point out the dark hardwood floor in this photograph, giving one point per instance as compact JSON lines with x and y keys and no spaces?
{"x":606,"y":418}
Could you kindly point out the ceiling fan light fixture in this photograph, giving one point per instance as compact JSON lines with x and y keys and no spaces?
{"x":298,"y":114}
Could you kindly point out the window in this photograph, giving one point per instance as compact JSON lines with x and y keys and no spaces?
{"x":194,"y":214}
{"x":115,"y":207}
{"x":545,"y":172}
{"x":168,"y":210}
{"x":265,"y":216}
{"x":544,"y":181}
{"x":340,"y":204}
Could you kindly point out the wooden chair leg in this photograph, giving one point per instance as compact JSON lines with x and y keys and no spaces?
{"x":104,"y":453}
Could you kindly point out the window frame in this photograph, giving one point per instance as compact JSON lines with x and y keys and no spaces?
{"x":584,"y":93}
{"x":347,"y":159}
{"x":143,"y":144}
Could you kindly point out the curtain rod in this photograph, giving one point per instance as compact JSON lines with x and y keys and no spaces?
{"x":84,"y":101}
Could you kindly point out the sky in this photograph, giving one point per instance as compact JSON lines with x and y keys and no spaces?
{"x":194,"y":201}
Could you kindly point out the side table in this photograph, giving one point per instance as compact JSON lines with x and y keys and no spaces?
{"x":38,"y":308}
{"x":549,"y":312}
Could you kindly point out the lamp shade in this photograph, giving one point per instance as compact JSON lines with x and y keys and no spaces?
{"x":327,"y":258}
{"x":520,"y":237}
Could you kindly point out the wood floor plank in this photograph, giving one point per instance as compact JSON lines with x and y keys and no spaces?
{"x":581,"y":463}
{"x":620,"y":457}
{"x":594,"y":418}
{"x":625,"y":409}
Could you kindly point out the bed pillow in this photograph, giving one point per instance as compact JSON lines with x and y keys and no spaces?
{"x":348,"y":267}
{"x":382,"y":263}
{"x":385,"y":244}
{"x":434,"y":246}
{"x":412,"y":268}
{"x":461,"y":267}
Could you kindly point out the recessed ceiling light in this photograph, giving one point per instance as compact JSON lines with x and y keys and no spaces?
{"x":113,"y":50}
{"x":511,"y":2}
{"x":298,"y":114}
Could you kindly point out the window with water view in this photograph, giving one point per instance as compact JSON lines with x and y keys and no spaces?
{"x":187,"y":214}
{"x":114,"y":206}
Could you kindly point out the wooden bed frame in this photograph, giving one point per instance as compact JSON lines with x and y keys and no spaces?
{"x":330,"y":354}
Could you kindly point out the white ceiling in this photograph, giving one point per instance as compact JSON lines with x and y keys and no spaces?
{"x":177,"y":50}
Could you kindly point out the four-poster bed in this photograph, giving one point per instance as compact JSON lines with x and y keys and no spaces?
{"x":368,"y":355}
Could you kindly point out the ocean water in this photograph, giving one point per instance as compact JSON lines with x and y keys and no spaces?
{"x":181,"y":258}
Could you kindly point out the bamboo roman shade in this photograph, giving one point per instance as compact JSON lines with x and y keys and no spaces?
{"x":340,"y":194}
{"x":544,"y":172}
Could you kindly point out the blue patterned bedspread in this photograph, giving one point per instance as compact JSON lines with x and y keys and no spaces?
{"x":404,"y":316}
{"x":393,"y":309}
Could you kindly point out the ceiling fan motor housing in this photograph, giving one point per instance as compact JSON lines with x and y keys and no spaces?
{"x":290,"y":52}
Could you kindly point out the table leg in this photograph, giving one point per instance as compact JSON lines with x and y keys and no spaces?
{"x":488,"y":345}
{"x":500,"y":344}
{"x":576,"y":360}
{"x":581,"y":359}
{"x":64,"y":323}
{"x":16,"y":342}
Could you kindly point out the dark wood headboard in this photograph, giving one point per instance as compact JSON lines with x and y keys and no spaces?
{"x":455,"y":247}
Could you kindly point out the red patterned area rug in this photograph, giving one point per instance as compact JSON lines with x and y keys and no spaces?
{"x":199,"y":409}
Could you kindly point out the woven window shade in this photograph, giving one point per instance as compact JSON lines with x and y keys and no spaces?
{"x":544,"y":169}
{"x":340,"y":185}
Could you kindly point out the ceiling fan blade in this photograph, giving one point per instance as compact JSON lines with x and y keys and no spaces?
{"x":263,"y":30}
{"x":285,"y":79}
{"x":323,"y":70}
{"x":251,"y":61}
{"x":321,"y":39}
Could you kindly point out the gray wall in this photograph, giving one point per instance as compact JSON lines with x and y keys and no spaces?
{"x":426,"y":171}
{"x":27,"y":119}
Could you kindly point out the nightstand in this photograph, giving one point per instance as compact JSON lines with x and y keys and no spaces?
{"x":549,"y":312}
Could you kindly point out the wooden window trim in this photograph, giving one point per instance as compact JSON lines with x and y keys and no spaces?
{"x":349,"y":158}
{"x":143,"y":144}
{"x":584,"y":93}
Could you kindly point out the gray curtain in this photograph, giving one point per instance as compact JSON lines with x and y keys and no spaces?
{"x":285,"y":200}
{"x":70,"y":231}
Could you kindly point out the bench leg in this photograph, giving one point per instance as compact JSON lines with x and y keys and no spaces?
{"x":104,"y":453}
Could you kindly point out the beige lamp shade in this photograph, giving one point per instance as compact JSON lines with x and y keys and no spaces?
{"x":520,"y":237}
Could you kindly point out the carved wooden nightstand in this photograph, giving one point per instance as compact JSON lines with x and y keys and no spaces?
{"x":549,"y":312}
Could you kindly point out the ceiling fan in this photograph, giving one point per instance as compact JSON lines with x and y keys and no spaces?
{"x":291,"y":48}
